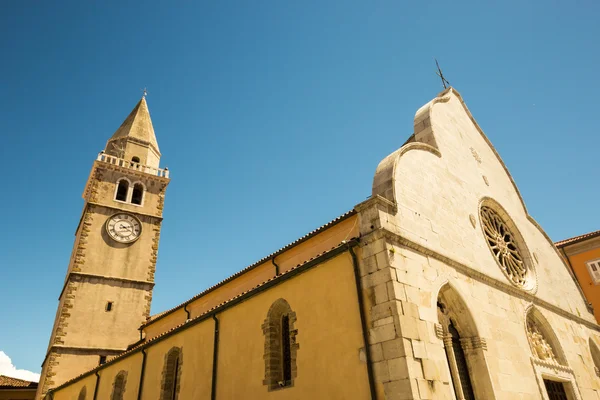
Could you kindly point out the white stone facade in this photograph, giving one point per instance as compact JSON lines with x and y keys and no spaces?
{"x":425,"y":263}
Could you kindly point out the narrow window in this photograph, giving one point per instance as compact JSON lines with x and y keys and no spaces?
{"x":122,"y":190}
{"x":109,"y":305}
{"x":280,"y":346}
{"x":175,"y":372}
{"x":287,"y":353}
{"x":171,"y":376}
{"x":119,"y":386}
{"x":102,"y":360}
{"x":82,"y":394}
{"x":138,"y":194}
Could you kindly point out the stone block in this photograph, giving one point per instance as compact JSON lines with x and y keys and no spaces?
{"x":428,"y":314}
{"x":396,"y":290}
{"x":430,"y":369}
{"x":398,"y":369}
{"x":382,"y":333}
{"x":384,"y":321}
{"x":381,"y":293}
{"x":412,"y":294}
{"x":410,"y":309}
{"x":409,"y":327}
{"x":419,"y":350}
{"x":379,"y":277}
{"x":396,"y":348}
{"x":381,"y":371}
{"x":400,"y":390}
{"x":376,"y":352}
{"x":425,"y":389}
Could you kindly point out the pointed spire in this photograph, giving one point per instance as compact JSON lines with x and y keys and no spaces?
{"x":137,"y":125}
{"x":135,"y":137}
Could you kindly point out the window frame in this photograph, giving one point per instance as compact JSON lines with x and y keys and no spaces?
{"x":594,"y":275}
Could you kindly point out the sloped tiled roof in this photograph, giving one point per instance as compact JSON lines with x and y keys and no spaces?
{"x":342,"y":217}
{"x":9,"y":382}
{"x":298,"y":268}
{"x":576,"y":239}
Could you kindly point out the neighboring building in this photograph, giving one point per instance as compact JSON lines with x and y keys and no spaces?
{"x":16,"y":389}
{"x":582,"y":253}
{"x":439,"y":286}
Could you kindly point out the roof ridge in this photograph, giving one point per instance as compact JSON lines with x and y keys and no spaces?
{"x":577,"y":238}
{"x":212,"y":309}
{"x":161,"y":314}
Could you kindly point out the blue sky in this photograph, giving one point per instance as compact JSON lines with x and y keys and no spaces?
{"x":272,"y":117}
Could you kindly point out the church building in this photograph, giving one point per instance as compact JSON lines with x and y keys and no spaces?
{"x":439,"y":286}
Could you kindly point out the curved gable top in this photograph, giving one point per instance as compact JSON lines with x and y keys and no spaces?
{"x":438,"y":181}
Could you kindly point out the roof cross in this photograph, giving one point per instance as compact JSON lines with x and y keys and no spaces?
{"x":445,"y":83}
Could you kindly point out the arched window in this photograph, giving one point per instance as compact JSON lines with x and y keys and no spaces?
{"x":135,"y":159}
{"x":463,"y":347}
{"x":138,"y":194}
{"x":119,"y":386}
{"x":122,"y":190}
{"x":280,"y":346}
{"x":82,"y":394}
{"x":171,"y":377}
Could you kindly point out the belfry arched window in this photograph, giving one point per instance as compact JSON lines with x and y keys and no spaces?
{"x":138,"y":194}
{"x":119,"y":386}
{"x":135,"y":159}
{"x":280,"y":346}
{"x":171,"y":377}
{"x":82,"y":393}
{"x":122,"y":190}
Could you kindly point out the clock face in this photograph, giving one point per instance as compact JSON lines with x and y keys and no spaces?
{"x":124,"y":228}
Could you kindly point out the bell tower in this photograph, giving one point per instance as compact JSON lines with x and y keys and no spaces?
{"x":107,"y":291}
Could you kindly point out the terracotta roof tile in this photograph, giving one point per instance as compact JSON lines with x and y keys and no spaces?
{"x":154,"y":317}
{"x":575,"y":239}
{"x":8,"y":382}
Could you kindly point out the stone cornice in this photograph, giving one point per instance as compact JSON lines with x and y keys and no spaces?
{"x":106,"y":278}
{"x":91,"y":350}
{"x":481,"y":277}
{"x":91,"y":203}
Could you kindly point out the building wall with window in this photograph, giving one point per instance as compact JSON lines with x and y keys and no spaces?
{"x":582,"y":253}
{"x":326,"y":346}
{"x":463,"y":296}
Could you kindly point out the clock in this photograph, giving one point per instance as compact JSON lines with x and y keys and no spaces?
{"x":123,"y":228}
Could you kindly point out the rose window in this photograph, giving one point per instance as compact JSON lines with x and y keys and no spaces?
{"x":503,"y":246}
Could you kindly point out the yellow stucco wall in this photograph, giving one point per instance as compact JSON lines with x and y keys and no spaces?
{"x":132,"y":365}
{"x":591,"y":290}
{"x":329,"y":335}
{"x":71,"y":392}
{"x":317,"y":244}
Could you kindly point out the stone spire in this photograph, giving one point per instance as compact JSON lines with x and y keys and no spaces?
{"x":135,"y":139}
